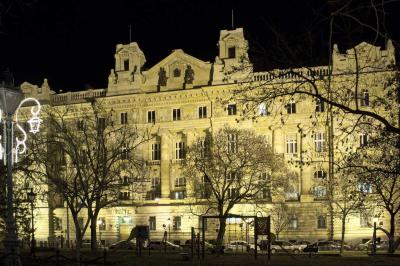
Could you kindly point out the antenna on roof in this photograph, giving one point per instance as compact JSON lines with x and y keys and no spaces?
{"x":233,"y":26}
{"x":130,"y":33}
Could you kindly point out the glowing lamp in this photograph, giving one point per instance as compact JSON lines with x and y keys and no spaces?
{"x":34,"y":124}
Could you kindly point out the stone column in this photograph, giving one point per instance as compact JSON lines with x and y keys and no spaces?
{"x":165,"y":164}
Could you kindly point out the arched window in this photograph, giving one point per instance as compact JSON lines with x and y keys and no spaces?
{"x":177,"y":72}
{"x":321,"y":222}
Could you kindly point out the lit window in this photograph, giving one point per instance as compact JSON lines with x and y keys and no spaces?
{"x":262,"y":109}
{"x":177,"y":223}
{"x":364,"y":187}
{"x":364,"y":98}
{"x":156,"y":151}
{"x":202,"y":112}
{"x":364,"y":139}
{"x":181,"y":194}
{"x":291,"y":144}
{"x":319,"y":140}
{"x":321,"y":222}
{"x":101,"y":222}
{"x":179,"y":150}
{"x":151,"y":117}
{"x":176,"y":114}
{"x":365,"y":220}
{"x":180,"y":182}
{"x":152,"y":223}
{"x":124,"y":118}
{"x":320,"y":192}
{"x":231,"y":109}
{"x":293,"y":222}
{"x":291,"y":107}
{"x":319,"y":105}
{"x":232,"y":143}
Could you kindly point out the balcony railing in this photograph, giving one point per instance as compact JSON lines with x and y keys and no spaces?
{"x":75,"y":97}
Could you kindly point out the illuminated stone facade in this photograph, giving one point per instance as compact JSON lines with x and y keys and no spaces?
{"x":178,"y":97}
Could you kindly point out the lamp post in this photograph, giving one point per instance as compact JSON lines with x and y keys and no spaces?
{"x":169,"y":229}
{"x":11,"y":99}
{"x":31,"y":197}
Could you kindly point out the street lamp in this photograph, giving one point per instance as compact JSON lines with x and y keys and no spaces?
{"x":11,"y":99}
{"x":31,"y":197}
{"x":169,"y":229}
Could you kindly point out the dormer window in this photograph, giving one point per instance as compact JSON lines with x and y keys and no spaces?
{"x":232,"y":52}
{"x":126,"y":64}
{"x":177,"y":72}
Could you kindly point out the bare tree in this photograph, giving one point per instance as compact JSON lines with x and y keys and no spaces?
{"x":280,"y":217}
{"x":92,"y":159}
{"x":228,"y":167}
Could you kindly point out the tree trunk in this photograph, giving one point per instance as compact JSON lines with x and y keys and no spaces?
{"x":78,"y":238}
{"x":93,"y":232}
{"x":331,"y":222}
{"x":391,"y":233}
{"x":221,"y":232}
{"x":343,"y":233}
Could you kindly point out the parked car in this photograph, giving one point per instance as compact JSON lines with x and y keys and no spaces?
{"x":123,"y":245}
{"x":158,"y":244}
{"x":86,"y":243}
{"x":380,"y":245}
{"x":346,"y":246}
{"x":240,"y":246}
{"x":301,"y":244}
{"x":282,"y":246}
{"x":322,"y":246}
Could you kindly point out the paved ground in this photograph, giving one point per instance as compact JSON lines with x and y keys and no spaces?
{"x":122,"y":258}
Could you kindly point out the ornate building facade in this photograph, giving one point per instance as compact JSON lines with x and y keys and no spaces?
{"x":177,"y":98}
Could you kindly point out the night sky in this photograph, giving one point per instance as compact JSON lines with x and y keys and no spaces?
{"x":72,"y":43}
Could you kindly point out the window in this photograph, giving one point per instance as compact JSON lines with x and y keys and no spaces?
{"x":364,"y":139}
{"x":364,"y":187}
{"x":231,"y":177}
{"x":232,"y":52}
{"x":176,"y":114}
{"x":232,"y":143}
{"x":180,"y":182}
{"x":156,"y":151}
{"x":181,"y":194}
{"x":83,"y":156}
{"x":291,"y":107}
{"x":124,"y":152}
{"x":262,"y":109}
{"x":101,"y":123}
{"x":319,"y":192}
{"x":291,"y":144}
{"x":125,"y":195}
{"x":124,"y":118}
{"x":80,"y":124}
{"x":320,"y":174}
{"x":293,"y":222}
{"x":365,"y":220}
{"x":177,"y":72}
{"x":232,"y":192}
{"x":177,"y":223}
{"x":80,"y":222}
{"x":151,"y":117}
{"x":152,"y":223}
{"x":125,"y":180}
{"x":319,"y":105}
{"x":319,"y":140}
{"x":57,"y":223}
{"x":126,"y":64}
{"x":265,"y":193}
{"x":232,"y":109}
{"x":101,"y":222}
{"x":155,"y":182}
{"x":202,"y":112}
{"x":179,"y":150}
{"x":321,"y":222}
{"x":364,"y":98}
